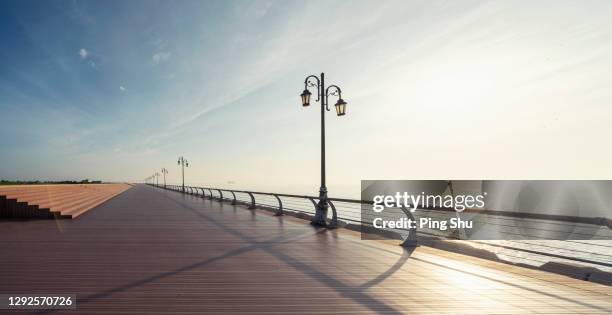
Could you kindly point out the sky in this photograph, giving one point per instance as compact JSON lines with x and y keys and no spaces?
{"x":116,"y":90}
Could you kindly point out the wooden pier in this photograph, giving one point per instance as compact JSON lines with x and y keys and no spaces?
{"x":150,"y":251}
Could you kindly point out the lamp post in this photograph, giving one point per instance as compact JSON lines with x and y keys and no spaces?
{"x":183,"y":163}
{"x":157,"y":179}
{"x":322,"y":97}
{"x":164,"y":171}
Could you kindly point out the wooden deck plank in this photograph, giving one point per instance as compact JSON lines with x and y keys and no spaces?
{"x":151,"y":251}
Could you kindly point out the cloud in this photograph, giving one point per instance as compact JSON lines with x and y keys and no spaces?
{"x":159,"y":43}
{"x":83,"y":53}
{"x":160,"y":57}
{"x":122,"y":88}
{"x":92,"y":60}
{"x":261,"y":11}
{"x":89,"y":58}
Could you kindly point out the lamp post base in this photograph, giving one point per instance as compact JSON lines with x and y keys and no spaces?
{"x":320,"y":218}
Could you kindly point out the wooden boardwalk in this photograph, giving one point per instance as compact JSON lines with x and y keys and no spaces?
{"x":153,"y":251}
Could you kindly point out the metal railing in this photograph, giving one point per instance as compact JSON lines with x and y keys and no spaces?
{"x":249,"y":198}
{"x":348,"y":212}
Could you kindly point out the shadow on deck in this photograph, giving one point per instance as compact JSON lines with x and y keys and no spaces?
{"x":151,"y":250}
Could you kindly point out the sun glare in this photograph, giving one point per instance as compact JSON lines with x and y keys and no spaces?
{"x":455,"y":88}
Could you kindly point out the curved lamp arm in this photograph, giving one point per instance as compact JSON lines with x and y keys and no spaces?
{"x":335,"y":91}
{"x":308,"y":83}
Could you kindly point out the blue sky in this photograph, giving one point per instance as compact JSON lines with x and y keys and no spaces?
{"x":115,"y":90}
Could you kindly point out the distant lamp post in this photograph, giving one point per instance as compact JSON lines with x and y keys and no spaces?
{"x":156,"y":179}
{"x":164,"y":171}
{"x":322,"y":97}
{"x":183,"y":163}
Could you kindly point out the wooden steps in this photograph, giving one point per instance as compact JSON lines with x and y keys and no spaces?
{"x":54,"y":201}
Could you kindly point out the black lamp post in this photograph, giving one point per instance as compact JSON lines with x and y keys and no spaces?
{"x":164,"y":171}
{"x":156,"y":179}
{"x":322,"y":97}
{"x":183,"y":163}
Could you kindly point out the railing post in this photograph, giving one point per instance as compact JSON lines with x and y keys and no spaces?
{"x":279,"y":212}
{"x":211,"y":195}
{"x":252,"y":206}
{"x":234,"y":195}
{"x":314,"y":203}
{"x":334,"y":221}
{"x":411,"y":240}
{"x":220,"y":195}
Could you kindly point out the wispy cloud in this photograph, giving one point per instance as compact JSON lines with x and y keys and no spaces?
{"x":122,"y":88}
{"x":160,"y":57}
{"x":158,"y":43}
{"x":91,"y":59}
{"x":83,"y":53}
{"x":261,"y":11}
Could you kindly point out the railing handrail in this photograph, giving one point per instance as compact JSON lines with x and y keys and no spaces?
{"x":411,"y":240}
{"x":601,"y":221}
